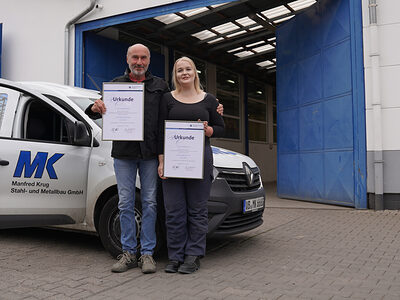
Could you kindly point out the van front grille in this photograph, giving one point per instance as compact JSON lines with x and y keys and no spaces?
{"x":236,"y":179}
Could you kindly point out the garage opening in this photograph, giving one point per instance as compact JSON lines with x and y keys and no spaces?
{"x":287,"y":122}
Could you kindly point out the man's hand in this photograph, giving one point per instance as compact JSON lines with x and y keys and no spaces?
{"x":161,"y":166}
{"x":99,"y":107}
{"x":220,"y":108}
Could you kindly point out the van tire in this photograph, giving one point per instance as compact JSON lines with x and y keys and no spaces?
{"x":109,"y":226}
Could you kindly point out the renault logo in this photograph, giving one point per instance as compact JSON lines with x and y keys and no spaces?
{"x":249,"y":174}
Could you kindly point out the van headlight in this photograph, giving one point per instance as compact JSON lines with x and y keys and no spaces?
{"x":215,"y":173}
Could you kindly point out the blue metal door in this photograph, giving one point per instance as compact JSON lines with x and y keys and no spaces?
{"x":105,"y":59}
{"x":320,"y":101}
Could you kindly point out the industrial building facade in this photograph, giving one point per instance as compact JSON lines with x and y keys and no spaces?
{"x":309,"y":87}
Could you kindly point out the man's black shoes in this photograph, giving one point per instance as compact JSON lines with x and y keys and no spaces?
{"x":190,"y":265}
{"x":172,"y":266}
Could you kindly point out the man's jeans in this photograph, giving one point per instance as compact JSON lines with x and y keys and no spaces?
{"x":125,"y":171}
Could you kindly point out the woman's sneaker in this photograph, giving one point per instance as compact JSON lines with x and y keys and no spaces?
{"x":172,"y":266}
{"x":190,"y":265}
{"x":126,"y":261}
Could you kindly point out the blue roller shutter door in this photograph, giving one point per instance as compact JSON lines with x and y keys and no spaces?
{"x":317,"y":100}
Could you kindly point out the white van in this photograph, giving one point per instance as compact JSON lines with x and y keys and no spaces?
{"x":56,"y":170}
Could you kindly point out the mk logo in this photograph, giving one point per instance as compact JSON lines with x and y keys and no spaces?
{"x":39,"y":163}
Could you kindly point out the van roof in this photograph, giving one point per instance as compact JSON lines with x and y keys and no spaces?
{"x":69,"y":91}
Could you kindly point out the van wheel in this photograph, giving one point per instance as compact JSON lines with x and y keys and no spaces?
{"x":109,"y":226}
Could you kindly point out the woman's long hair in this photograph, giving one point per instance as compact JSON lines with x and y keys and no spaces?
{"x":175,"y":83}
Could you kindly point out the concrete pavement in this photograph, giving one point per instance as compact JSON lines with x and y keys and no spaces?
{"x":302,"y":251}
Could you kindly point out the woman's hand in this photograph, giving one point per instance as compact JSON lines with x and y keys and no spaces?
{"x":208,"y":130}
{"x":161,"y":166}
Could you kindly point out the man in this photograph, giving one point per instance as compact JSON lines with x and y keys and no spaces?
{"x":132,"y":156}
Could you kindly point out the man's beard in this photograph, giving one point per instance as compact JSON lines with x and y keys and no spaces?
{"x":135,"y":72}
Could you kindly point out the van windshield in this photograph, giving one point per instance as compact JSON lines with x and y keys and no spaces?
{"x":83,"y":103}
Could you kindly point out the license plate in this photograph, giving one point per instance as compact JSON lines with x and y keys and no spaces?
{"x":251,"y":205}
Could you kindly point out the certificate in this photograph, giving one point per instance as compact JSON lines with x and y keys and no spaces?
{"x":183,"y":149}
{"x":123,"y":120}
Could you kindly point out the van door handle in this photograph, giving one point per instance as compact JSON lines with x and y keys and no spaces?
{"x":4,"y":162}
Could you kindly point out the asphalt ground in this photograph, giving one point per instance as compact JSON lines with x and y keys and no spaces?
{"x":302,"y":251}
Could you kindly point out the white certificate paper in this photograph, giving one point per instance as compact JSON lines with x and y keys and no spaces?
{"x":183,"y":149}
{"x":123,"y":120}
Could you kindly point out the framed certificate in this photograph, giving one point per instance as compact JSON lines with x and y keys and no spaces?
{"x":183,"y":149}
{"x":123,"y":120}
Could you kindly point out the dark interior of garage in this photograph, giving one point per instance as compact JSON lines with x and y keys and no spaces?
{"x":238,"y":35}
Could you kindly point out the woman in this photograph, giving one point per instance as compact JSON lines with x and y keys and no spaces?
{"x":185,"y":200}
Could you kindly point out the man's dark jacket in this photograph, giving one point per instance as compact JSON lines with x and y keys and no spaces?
{"x":155,"y":87}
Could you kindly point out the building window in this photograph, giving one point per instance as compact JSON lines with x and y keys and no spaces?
{"x":228,"y":95}
{"x":257,"y":111}
{"x":200,"y":66}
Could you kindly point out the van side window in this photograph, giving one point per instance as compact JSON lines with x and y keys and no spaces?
{"x":3,"y":103}
{"x":45,"y":124}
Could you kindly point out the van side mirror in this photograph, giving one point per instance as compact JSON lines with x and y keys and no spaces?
{"x":81,"y":136}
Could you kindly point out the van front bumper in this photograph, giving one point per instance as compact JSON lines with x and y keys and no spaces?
{"x":225,"y":209}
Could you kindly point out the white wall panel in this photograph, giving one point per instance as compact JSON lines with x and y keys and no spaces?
{"x":33,"y":37}
{"x":388,"y":11}
{"x":366,"y":47}
{"x":388,"y":18}
{"x":370,"y":130}
{"x":368,"y":88}
{"x":389,"y":44}
{"x":390,"y":129}
{"x":390,"y":86}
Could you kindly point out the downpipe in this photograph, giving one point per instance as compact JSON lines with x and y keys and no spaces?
{"x":376,"y":106}
{"x":66,"y":38}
